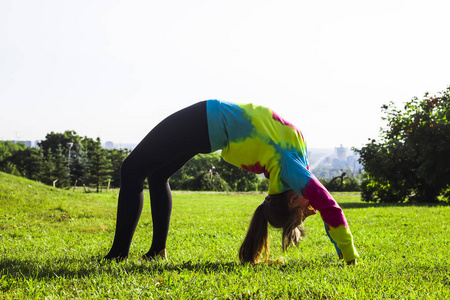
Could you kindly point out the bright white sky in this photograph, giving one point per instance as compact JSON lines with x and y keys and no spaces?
{"x":114,"y":68}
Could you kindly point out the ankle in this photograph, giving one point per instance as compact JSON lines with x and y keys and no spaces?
{"x":153,"y":255}
{"x":162,"y":254}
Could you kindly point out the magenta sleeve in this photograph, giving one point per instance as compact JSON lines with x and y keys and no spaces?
{"x":322,"y":200}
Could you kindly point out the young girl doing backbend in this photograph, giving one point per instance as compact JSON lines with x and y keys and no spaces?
{"x":251,"y":137}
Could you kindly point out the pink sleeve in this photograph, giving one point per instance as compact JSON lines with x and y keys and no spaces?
{"x":322,"y":200}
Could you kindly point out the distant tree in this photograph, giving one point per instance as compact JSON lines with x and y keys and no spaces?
{"x":42,"y":168}
{"x":411,"y":162}
{"x":8,"y":148}
{"x":54,"y":140}
{"x":23,"y":161}
{"x":336,"y":179}
{"x":99,"y":166}
{"x":65,"y":157}
{"x":239,"y":180}
{"x":60,"y":170}
{"x":206,"y":181}
{"x":221,"y":175}
{"x":198,"y":165}
{"x":345,"y":182}
{"x":116,"y":156}
{"x":78,"y":165}
{"x":9,"y":167}
{"x":47,"y":172}
{"x":263,"y":185}
{"x":76,"y":152}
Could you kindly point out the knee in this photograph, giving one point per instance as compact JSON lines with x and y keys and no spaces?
{"x":127,"y":168}
{"x":157,"y":179}
{"x":130,"y":172}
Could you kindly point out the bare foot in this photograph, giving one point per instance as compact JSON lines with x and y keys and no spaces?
{"x":161,"y":255}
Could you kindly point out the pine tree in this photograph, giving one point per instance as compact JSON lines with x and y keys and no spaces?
{"x":60,"y":170}
{"x":99,"y":165}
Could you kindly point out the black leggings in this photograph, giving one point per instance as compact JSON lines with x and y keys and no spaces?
{"x":170,"y":145}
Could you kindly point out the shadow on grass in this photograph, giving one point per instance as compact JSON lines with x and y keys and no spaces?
{"x":350,"y":205}
{"x":78,"y":268}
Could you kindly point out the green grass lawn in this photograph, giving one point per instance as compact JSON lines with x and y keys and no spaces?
{"x":50,"y":241}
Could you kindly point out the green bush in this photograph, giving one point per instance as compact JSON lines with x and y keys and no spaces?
{"x":411,"y":162}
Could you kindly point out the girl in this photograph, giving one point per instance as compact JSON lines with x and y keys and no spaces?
{"x":251,"y":137}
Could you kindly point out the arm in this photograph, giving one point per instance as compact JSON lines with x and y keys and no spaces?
{"x":296,"y":175}
{"x":338,"y":251}
{"x":333,"y":217}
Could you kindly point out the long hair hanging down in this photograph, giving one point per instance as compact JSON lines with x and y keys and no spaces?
{"x":256,"y":240}
{"x":276,"y":212}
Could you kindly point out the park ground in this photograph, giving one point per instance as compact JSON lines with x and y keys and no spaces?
{"x":51,"y":240}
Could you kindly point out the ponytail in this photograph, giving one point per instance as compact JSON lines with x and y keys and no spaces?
{"x":276,"y":212}
{"x":256,"y":240}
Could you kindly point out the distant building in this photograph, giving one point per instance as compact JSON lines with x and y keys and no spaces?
{"x":335,"y":162}
{"x":109,"y":145}
{"x":340,"y":152}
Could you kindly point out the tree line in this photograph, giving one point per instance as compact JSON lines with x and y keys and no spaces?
{"x":63,"y":160}
{"x":410,"y":162}
{"x":69,"y":160}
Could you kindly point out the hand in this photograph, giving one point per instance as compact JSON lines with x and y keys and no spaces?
{"x":352,"y":262}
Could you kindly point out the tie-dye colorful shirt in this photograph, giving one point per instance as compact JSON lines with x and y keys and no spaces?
{"x":258,"y":140}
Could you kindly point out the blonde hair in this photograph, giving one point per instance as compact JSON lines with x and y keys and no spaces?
{"x":275,"y":211}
